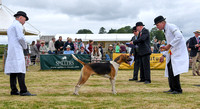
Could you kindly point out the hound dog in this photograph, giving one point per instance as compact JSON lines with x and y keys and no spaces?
{"x":108,"y":70}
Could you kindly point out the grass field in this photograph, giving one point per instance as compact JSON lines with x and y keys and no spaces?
{"x":54,"y":90}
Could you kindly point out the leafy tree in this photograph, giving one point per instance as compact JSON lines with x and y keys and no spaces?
{"x":102,"y":30}
{"x":126,"y":29}
{"x":84,"y":31}
{"x":112,"y":31}
{"x":155,"y":33}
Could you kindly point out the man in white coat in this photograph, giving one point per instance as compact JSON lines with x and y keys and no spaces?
{"x":15,"y":62}
{"x":177,"y":59}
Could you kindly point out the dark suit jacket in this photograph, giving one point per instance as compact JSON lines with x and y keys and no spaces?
{"x":192,"y":44}
{"x":133,"y":51}
{"x":143,"y":42}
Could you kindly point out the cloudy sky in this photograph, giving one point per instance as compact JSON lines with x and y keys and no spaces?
{"x":68,"y":16}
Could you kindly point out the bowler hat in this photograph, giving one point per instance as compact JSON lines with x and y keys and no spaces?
{"x":159,"y":19}
{"x":139,"y":24}
{"x":21,"y":13}
{"x":134,"y":28}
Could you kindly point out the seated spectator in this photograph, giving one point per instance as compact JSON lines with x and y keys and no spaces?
{"x":68,"y":50}
{"x":162,"y":45}
{"x":96,"y":55}
{"x":122,"y":48}
{"x":82,"y":51}
{"x":43,"y":48}
{"x":110,"y":52}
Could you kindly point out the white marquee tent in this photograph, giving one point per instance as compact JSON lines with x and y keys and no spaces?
{"x":6,"y":19}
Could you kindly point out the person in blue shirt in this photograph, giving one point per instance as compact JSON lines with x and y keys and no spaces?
{"x":68,"y":51}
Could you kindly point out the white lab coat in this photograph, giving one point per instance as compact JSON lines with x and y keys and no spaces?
{"x":15,"y":61}
{"x":179,"y":57}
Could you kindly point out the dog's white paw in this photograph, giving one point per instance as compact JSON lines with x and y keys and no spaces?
{"x":114,"y":92}
{"x":75,"y":93}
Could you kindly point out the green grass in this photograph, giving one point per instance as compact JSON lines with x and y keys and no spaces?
{"x":54,"y":89}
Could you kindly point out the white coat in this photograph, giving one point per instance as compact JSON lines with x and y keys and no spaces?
{"x":15,"y":61}
{"x":179,"y":56}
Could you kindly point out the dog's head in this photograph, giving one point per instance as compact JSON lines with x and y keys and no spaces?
{"x":123,"y":58}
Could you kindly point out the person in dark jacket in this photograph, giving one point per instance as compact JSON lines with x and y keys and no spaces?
{"x":134,"y":52}
{"x":59,"y":45}
{"x":69,"y":42}
{"x":195,"y":51}
{"x":144,"y":51}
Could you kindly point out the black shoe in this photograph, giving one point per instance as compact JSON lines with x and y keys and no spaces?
{"x":147,"y":82}
{"x":140,"y":81}
{"x":169,"y":91}
{"x":133,"y":79}
{"x":16,"y":93}
{"x":175,"y":92}
{"x":27,"y":94}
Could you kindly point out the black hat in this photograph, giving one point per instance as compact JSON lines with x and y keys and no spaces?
{"x":159,"y":19}
{"x":134,"y":28}
{"x":21,"y":13}
{"x":139,"y":24}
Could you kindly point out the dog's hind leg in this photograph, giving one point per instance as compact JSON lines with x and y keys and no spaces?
{"x":112,"y":81}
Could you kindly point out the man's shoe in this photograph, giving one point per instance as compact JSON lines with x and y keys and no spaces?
{"x":140,"y":81}
{"x":175,"y":92}
{"x":16,"y":93}
{"x":169,"y":91}
{"x":27,"y":94}
{"x":147,"y":82}
{"x":133,"y":79}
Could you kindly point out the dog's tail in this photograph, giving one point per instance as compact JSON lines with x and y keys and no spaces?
{"x":78,"y":60}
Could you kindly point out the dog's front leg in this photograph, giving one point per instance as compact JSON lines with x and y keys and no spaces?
{"x":112,"y":81}
{"x":77,"y":87}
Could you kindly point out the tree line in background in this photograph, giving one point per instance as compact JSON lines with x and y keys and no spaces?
{"x":154,"y":32}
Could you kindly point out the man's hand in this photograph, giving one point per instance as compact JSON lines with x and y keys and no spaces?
{"x":161,"y":58}
{"x":131,"y":42}
{"x":197,"y":45}
{"x":165,"y":48}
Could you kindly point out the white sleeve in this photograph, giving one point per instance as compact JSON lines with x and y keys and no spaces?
{"x":20,"y":36}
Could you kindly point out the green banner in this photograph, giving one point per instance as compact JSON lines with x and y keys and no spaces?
{"x":62,"y":61}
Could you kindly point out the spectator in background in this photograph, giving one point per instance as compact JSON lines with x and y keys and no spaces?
{"x":155,"y":46}
{"x":82,"y":51}
{"x":38,"y":45}
{"x":76,"y":46}
{"x":158,"y":45}
{"x":162,"y":45}
{"x":52,"y":46}
{"x":195,"y":51}
{"x":59,"y":45}
{"x":96,"y":55}
{"x":109,"y":55}
{"x":27,"y":58}
{"x":101,"y":49}
{"x":43,"y":48}
{"x":117,"y":48}
{"x":122,"y":48}
{"x":34,"y":52}
{"x":80,"y":45}
{"x":88,"y":47}
{"x":68,"y":50}
{"x":69,"y":42}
